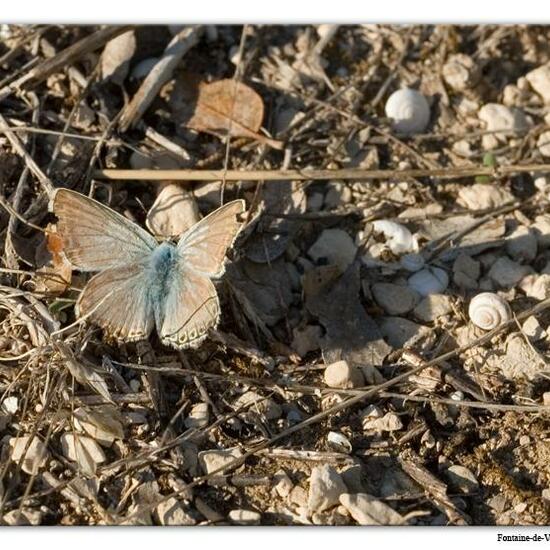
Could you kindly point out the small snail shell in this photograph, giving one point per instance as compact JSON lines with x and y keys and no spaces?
{"x":488,"y":310}
{"x":409,"y":110}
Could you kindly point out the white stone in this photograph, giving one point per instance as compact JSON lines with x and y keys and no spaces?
{"x":198,"y":416}
{"x":390,"y":422}
{"x":26,"y":517}
{"x":245,"y":517}
{"x":532,"y":329}
{"x":214,"y":459}
{"x":171,"y":512}
{"x":483,"y":196}
{"x":282,"y":483}
{"x":499,"y":117}
{"x":306,"y":339}
{"x":507,"y":273}
{"x":265,"y":406}
{"x":462,"y":478}
{"x":10,"y":405}
{"x":521,"y":244}
{"x":543,"y":143}
{"x":460,"y":72}
{"x":536,"y":286}
{"x":431,"y":280}
{"x":342,"y":375}
{"x":336,"y":246}
{"x":325,"y":487}
{"x":433,"y":307}
{"x":35,"y":457}
{"x":394,"y":299}
{"x":541,"y":227}
{"x":368,"y":510}
{"x":466,"y":272}
{"x":539,"y":79}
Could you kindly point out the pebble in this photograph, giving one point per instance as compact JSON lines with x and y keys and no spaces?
{"x":306,"y":339}
{"x":266,"y":406}
{"x":214,"y":459}
{"x":506,"y":273}
{"x":325,"y":487}
{"x":315,"y":202}
{"x":432,"y":307}
{"x":390,"y":422}
{"x":532,"y":329}
{"x":398,"y":238}
{"x":466,"y":272}
{"x":36,"y":455}
{"x":27,"y":516}
{"x":546,"y":398}
{"x":336,"y":246}
{"x":546,"y":494}
{"x":282,"y":483}
{"x":343,"y":376}
{"x":367,"y":510}
{"x":482,"y":196}
{"x":460,"y":72}
{"x":371,"y":375}
{"x":462,"y":479}
{"x":536,"y":286}
{"x":431,"y":280}
{"x":520,"y":360}
{"x":198,"y":416}
{"x":539,"y":79}
{"x":353,"y":478}
{"x":10,"y":405}
{"x":394,"y":299}
{"x":245,"y":517}
{"x":524,"y":440}
{"x":298,"y":496}
{"x":337,"y":194}
{"x":500,"y":117}
{"x":541,"y":227}
{"x":171,"y":512}
{"x":400,"y":332}
{"x":543,"y":143}
{"x":521,"y":244}
{"x":338,"y":442}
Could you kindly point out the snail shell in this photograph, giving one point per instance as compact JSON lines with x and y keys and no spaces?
{"x":409,"y":110}
{"x":488,"y":310}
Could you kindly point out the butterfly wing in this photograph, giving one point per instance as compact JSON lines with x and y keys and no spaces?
{"x":191,"y":307}
{"x":119,"y":301}
{"x":202,"y":248}
{"x":96,"y":237}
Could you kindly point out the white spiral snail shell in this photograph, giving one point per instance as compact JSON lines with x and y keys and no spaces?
{"x":409,"y":110}
{"x":488,"y":310}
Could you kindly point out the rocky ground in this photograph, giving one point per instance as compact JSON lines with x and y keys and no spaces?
{"x":382,"y":351}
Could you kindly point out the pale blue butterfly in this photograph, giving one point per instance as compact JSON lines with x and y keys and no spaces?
{"x":143,"y":283}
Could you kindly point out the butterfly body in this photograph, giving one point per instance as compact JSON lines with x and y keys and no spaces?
{"x":142,"y":284}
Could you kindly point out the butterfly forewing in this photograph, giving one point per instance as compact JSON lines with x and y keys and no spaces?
{"x":96,"y":237}
{"x":119,"y":301}
{"x":191,"y":308}
{"x":203,"y":247}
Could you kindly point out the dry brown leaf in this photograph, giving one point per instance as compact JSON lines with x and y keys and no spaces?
{"x":54,"y":278}
{"x":227,"y":106}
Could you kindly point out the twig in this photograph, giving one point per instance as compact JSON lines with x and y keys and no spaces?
{"x":64,"y":58}
{"x":309,"y":174}
{"x":159,"y":75}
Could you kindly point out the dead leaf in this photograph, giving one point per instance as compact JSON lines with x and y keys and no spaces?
{"x":173,"y":212}
{"x":222,"y":107}
{"x":54,"y":278}
{"x":115,"y":59}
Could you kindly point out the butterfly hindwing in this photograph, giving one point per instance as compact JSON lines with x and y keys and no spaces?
{"x":203,"y":247}
{"x":119,"y":301}
{"x":95,"y":237}
{"x":190,"y":309}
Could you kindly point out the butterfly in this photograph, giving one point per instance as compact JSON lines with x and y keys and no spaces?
{"x":141,"y":283}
